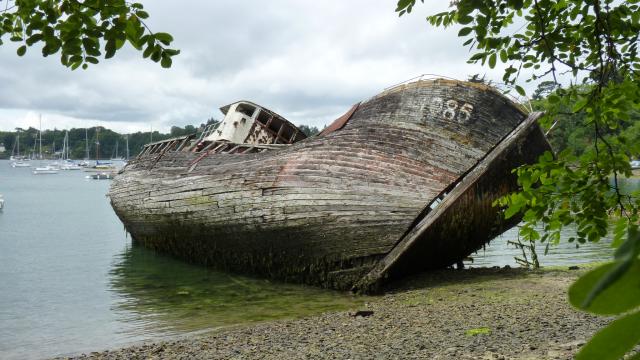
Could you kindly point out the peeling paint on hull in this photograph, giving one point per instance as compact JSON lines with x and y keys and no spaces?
{"x":330,"y":210}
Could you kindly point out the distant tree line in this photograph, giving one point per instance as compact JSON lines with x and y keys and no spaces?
{"x":570,"y":132}
{"x":100,"y":140}
{"x":309,"y":130}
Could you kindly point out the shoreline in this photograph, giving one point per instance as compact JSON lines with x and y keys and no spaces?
{"x":478,"y":313}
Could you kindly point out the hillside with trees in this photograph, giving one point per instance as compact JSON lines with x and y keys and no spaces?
{"x":569,"y":131}
{"x":101,"y":140}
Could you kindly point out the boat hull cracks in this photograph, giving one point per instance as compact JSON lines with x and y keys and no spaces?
{"x":330,"y":210}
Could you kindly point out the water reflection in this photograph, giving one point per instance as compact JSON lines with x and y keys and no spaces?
{"x":499,"y":253}
{"x":160,"y":294}
{"x":629,"y":185}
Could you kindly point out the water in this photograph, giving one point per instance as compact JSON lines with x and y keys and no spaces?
{"x":71,"y":282}
{"x":500,"y":253}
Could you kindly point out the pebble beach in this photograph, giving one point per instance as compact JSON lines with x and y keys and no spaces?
{"x":450,"y":314}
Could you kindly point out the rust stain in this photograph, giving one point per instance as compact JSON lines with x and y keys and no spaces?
{"x":340,"y":122}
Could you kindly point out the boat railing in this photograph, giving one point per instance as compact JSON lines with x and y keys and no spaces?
{"x":208,"y":130}
{"x":225,"y":147}
{"x":161,"y":147}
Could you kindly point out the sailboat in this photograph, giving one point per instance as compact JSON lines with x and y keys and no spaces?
{"x":104,"y":165}
{"x":85,"y":162}
{"x":48,"y":169}
{"x":44,"y":170}
{"x":18,"y":160}
{"x":126,"y":158}
{"x":67,"y":163}
{"x":20,"y":163}
{"x":116,"y":158}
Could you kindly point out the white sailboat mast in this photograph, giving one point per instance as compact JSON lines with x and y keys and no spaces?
{"x":97,"y":144}
{"x":40,"y":133}
{"x":86,"y":144}
{"x":65,"y":146}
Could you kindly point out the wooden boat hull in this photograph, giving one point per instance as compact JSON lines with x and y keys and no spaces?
{"x":329,"y":210}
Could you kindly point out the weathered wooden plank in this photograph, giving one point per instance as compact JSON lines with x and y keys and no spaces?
{"x":324,"y":210}
{"x":465,"y":207}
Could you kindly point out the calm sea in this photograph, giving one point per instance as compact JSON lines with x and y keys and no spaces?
{"x":71,"y":282}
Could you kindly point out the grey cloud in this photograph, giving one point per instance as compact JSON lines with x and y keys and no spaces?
{"x":308,"y":61}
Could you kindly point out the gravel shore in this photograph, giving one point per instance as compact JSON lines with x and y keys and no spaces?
{"x":468,"y":314}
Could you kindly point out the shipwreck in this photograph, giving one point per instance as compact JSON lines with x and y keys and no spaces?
{"x":401,"y":183}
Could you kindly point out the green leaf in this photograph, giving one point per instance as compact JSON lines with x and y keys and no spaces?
{"x":22,"y":50}
{"x":503,"y":56}
{"x":621,"y":295}
{"x":164,"y":38}
{"x":492,"y":61}
{"x":166,"y":61}
{"x":33,"y":39}
{"x":465,"y":31}
{"x":110,"y":49}
{"x":119,"y":43}
{"x":614,"y":341}
{"x":554,"y":99}
{"x":156,"y":54}
{"x":578,"y":105}
{"x":511,"y":211}
{"x":631,"y":247}
{"x":520,"y":90}
{"x":478,"y":56}
{"x":464,"y":20}
{"x":147,"y":52}
{"x":402,"y":4}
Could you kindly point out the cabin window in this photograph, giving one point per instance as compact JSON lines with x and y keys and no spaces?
{"x":246,"y":109}
{"x":287,"y":132}
{"x":275,"y":125}
{"x":263,"y":117}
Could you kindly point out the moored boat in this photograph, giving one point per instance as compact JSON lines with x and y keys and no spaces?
{"x":100,"y":176}
{"x":400,"y":183}
{"x":20,"y":163}
{"x":69,"y":165}
{"x":45,"y":170}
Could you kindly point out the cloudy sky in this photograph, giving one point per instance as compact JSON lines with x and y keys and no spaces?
{"x":307,"y":60}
